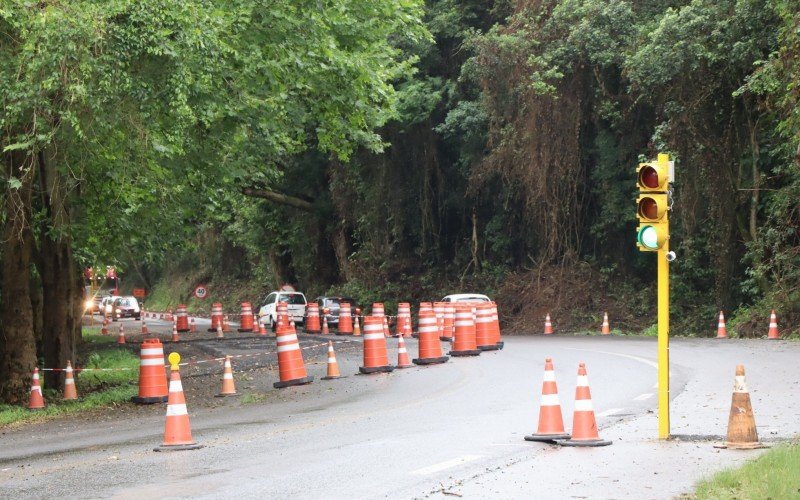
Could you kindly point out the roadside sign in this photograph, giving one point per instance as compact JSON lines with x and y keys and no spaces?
{"x":200,"y":291}
{"x":139,"y":293}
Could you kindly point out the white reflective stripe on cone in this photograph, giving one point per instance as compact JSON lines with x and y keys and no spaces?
{"x":289,"y":347}
{"x":69,"y":381}
{"x":287,"y":338}
{"x":331,"y":360}
{"x":176,"y":410}
{"x":153,"y":351}
{"x":175,"y":386}
{"x":549,"y":376}
{"x":583,"y":405}
{"x":583,"y":381}
{"x":373,"y":336}
{"x":739,"y":384}
{"x":228,"y":376}
{"x":151,"y":362}
{"x":550,"y":400}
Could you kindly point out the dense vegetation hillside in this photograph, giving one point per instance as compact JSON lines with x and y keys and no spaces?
{"x":397,"y":150}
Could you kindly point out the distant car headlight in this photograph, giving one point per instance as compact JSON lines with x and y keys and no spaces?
{"x":89,"y":304}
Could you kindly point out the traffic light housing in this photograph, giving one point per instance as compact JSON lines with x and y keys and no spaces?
{"x":652,"y":205}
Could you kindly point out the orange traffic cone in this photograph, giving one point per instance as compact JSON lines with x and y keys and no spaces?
{"x":36,"y":400}
{"x":325,"y":329}
{"x":291,"y":368}
{"x":144,"y":327}
{"x":175,"y":337}
{"x":386,"y":332}
{"x":177,"y":430}
{"x":742,"y":433}
{"x":228,"y":387}
{"x":584,"y":426}
{"x":548,"y":326}
{"x":403,"y":317}
{"x":484,"y":334}
{"x":312,"y":318}
{"x":376,"y":357}
{"x":70,"y":393}
{"x":192,"y":327}
{"x":495,"y":327}
{"x":402,"y":353}
{"x":152,"y":374}
{"x":345,"y":320}
{"x":121,"y":336}
{"x":773,"y":327}
{"x":333,"y":365}
{"x":430,"y":347}
{"x":246,"y":318}
{"x":216,"y":316}
{"x":464,"y":334}
{"x":356,"y":327}
{"x":220,"y":335}
{"x":449,"y":322}
{"x":551,"y":423}
{"x":722,"y":331}
{"x":262,"y":330}
{"x":104,"y":330}
{"x":182,"y":319}
{"x":606,"y":329}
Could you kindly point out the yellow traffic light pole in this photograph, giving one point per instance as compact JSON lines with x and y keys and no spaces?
{"x":653,"y":206}
{"x":663,"y":341}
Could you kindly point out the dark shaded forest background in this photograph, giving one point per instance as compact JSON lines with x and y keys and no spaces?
{"x":399,"y":151}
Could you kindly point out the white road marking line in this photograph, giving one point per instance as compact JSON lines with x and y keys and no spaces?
{"x":608,"y":413}
{"x":446,"y":465}
{"x":635,"y":358}
{"x":643,"y":397}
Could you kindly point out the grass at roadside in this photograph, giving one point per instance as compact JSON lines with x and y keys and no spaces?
{"x":114,"y":385}
{"x":773,"y":475}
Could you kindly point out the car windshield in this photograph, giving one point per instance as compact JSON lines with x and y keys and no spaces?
{"x":125,"y":302}
{"x":294,"y":299}
{"x":339,"y":300}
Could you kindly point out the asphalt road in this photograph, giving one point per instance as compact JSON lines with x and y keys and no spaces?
{"x":436,"y":431}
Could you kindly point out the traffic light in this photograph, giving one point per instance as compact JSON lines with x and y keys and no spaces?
{"x":653,"y":180}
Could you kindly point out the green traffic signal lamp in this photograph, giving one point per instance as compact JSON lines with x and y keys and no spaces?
{"x":651,"y":237}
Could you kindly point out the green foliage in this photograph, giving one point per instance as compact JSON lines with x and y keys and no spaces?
{"x":772,"y":475}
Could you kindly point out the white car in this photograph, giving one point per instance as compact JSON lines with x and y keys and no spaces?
{"x":107,"y":304}
{"x":295,"y":301}
{"x":466,"y":297}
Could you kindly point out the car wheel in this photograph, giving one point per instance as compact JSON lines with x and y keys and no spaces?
{"x":138,"y":316}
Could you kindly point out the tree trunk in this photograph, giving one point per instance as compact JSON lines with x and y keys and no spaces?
{"x":61,"y":319}
{"x":17,"y":345}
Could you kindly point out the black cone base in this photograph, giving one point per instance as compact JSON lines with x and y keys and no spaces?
{"x":583,"y":442}
{"x":149,"y":401}
{"x":544,"y":438}
{"x":446,"y":339}
{"x":296,"y":381}
{"x":430,"y":361}
{"x":178,"y":447}
{"x":490,"y":347}
{"x":375,"y":369}
{"x":244,"y":330}
{"x":475,"y":352}
{"x":500,"y":344}
{"x":333,"y":378}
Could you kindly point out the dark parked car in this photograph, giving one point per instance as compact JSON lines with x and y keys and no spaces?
{"x":332,"y":303}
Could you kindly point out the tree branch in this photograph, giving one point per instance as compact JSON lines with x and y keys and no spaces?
{"x":283,"y":199}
